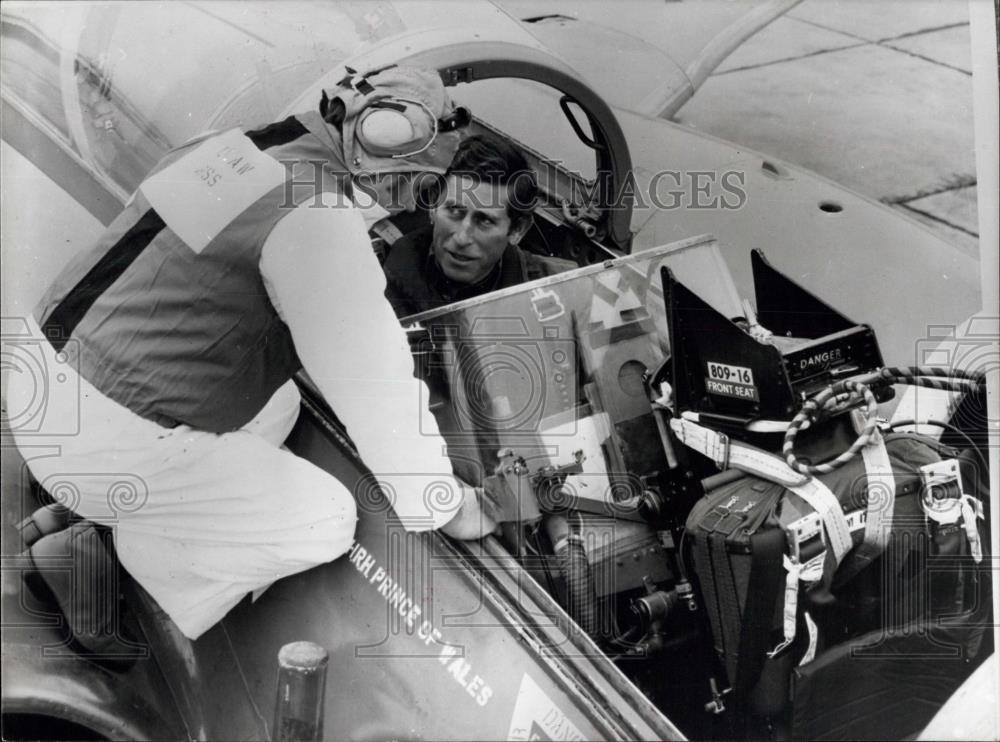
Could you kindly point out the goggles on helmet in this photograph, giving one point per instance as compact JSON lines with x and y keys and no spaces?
{"x":382,"y":133}
{"x":399,"y":119}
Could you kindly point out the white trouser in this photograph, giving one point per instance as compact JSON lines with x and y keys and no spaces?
{"x":199,"y":519}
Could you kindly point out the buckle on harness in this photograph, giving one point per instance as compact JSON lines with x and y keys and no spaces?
{"x":807,"y":544}
{"x":720,"y":452}
{"x":942,"y":496}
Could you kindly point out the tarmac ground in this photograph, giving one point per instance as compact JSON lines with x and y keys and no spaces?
{"x":875,"y":95}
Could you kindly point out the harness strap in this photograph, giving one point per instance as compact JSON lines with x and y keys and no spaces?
{"x":813,"y":632}
{"x":732,"y":454}
{"x":727,"y":597}
{"x":792,"y":573}
{"x":706,"y":573}
{"x":763,"y":593}
{"x":881,"y":494}
{"x":972,"y":509}
{"x":824,"y":502}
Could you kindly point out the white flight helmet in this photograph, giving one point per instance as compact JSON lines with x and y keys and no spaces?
{"x":397,"y":119}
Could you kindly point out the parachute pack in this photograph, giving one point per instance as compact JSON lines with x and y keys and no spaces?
{"x":827,"y":541}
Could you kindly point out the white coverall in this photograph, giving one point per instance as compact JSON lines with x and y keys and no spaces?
{"x":201,"y":519}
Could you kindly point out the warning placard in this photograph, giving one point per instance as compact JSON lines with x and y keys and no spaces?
{"x":731,"y":389}
{"x":730,"y":381}
{"x":536,"y":717}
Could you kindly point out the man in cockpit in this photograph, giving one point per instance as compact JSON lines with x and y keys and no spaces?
{"x":480,"y":215}
{"x":243,"y":257}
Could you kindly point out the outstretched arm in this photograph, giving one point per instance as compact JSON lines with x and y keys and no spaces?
{"x":328,"y":288}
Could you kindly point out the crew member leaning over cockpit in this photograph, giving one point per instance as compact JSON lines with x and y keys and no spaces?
{"x":233,"y":266}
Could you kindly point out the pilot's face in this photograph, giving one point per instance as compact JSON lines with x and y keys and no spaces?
{"x":472,"y":229}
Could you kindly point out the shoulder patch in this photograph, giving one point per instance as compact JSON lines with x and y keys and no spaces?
{"x":201,"y":193}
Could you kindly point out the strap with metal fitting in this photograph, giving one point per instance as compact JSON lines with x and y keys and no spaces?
{"x":767,"y":466}
{"x":804,"y":536}
{"x":942,"y":492}
{"x":972,"y":510}
{"x":826,"y":504}
{"x":945,"y":502}
{"x":718,"y":447}
{"x":790,"y":611}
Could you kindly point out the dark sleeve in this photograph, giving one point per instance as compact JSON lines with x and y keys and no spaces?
{"x":405,"y":285}
{"x":395,"y":295}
